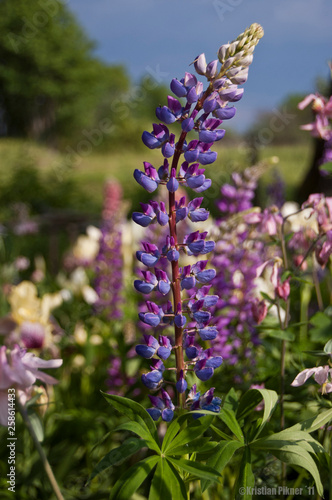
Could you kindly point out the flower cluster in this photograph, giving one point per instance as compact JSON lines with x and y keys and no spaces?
{"x":321,"y":127}
{"x":238,"y":255}
{"x":189,"y":313}
{"x":20,"y":370}
{"x":108,"y":262}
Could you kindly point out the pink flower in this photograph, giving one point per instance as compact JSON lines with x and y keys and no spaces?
{"x":20,"y":370}
{"x":322,"y":375}
{"x":323,"y":110}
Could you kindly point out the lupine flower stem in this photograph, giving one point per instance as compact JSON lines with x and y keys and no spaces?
{"x":40,"y":450}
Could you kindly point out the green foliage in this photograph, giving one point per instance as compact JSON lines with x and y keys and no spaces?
{"x":178,"y":461}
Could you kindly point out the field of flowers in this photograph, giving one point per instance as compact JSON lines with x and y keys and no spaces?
{"x":176,"y":344}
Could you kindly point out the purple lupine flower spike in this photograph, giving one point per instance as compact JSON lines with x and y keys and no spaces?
{"x":190,"y":312}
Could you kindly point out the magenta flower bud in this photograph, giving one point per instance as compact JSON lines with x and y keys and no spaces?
{"x":259,"y":310}
{"x":283,"y":290}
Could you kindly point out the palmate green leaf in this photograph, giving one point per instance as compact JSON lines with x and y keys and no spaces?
{"x":314,"y":423}
{"x":246,"y":478}
{"x":251,"y":399}
{"x":195,"y":468}
{"x":300,"y":457}
{"x":173,"y":430}
{"x":194,"y":429}
{"x":134,"y":411}
{"x":132,"y":479}
{"x":228,"y":417}
{"x":222,"y":454}
{"x":118,"y":455}
{"x":166,"y":483}
{"x":142,"y":431}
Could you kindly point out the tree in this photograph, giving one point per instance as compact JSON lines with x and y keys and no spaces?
{"x":50,"y":82}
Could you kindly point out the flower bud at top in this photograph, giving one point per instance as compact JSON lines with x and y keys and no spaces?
{"x":200,"y":64}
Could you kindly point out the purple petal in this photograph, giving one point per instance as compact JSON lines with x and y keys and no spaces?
{"x":145,"y":351}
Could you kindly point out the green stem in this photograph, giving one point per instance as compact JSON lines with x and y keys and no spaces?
{"x":284,"y":326}
{"x":318,"y":291}
{"x":40,"y":450}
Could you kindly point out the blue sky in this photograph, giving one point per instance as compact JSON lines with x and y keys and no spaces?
{"x":163,"y":37}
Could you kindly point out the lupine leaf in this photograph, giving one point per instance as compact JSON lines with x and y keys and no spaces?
{"x":220,"y":433}
{"x":222,"y":454}
{"x":131,"y":480}
{"x":246,"y":479}
{"x":142,"y":431}
{"x":228,"y":417}
{"x":195,"y":445}
{"x":167,"y":484}
{"x":172,"y":431}
{"x":231,"y":400}
{"x":117,"y":455}
{"x":288,"y":437}
{"x":249,"y":401}
{"x":192,"y":431}
{"x":299,"y":456}
{"x":132,"y":410}
{"x":196,"y":468}
{"x":313,"y":423}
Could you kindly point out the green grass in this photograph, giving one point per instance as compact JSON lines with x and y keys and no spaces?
{"x":90,"y":172}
